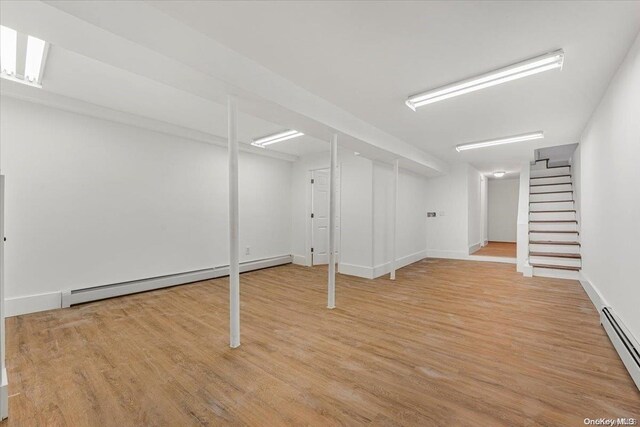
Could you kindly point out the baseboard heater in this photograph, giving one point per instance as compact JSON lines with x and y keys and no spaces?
{"x":79,"y":296}
{"x":625,"y":344}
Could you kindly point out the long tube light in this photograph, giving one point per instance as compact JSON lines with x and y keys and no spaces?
{"x":33,"y":64}
{"x":8,"y":48}
{"x":277,"y":137}
{"x":501,"y":141}
{"x":526,"y":68}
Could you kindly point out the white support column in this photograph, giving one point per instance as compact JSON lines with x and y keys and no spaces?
{"x":4,"y":380}
{"x":333,"y":153}
{"x":394,"y":220}
{"x":234,"y":244}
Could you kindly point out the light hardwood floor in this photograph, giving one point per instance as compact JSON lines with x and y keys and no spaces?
{"x":499,"y":249}
{"x":448,"y":343}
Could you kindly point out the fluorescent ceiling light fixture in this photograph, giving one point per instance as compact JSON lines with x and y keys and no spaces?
{"x":8,"y":48}
{"x":32,"y":50}
{"x":33,"y":64}
{"x":277,"y":137}
{"x":526,"y":68}
{"x":501,"y":141}
{"x":499,"y":174}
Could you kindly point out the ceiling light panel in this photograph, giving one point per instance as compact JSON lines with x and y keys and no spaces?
{"x":501,"y":141}
{"x":277,"y":137}
{"x":35,"y":54}
{"x":31,"y":52}
{"x":8,"y":47}
{"x":539,"y":64}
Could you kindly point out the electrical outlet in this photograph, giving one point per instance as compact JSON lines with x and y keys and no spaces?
{"x":247,"y":251}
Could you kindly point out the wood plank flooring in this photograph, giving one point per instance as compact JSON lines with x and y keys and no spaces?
{"x":499,"y":249}
{"x":455,"y":343}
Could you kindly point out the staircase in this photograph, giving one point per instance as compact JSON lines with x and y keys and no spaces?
{"x":554,"y":236}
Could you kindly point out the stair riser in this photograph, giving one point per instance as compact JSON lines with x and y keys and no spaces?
{"x":547,"y":188}
{"x":554,"y":237}
{"x":559,"y":274}
{"x":556,"y":180}
{"x":567,"y":262}
{"x":550,"y":197}
{"x":553,"y":226}
{"x":562,"y":249}
{"x":553,"y":171}
{"x":557,"y":206}
{"x":552,"y":216}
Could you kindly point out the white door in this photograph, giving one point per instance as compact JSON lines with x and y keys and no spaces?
{"x":320,"y":216}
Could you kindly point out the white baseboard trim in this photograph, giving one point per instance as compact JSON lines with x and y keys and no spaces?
{"x":475,"y":247}
{"x":4,"y":395}
{"x":525,"y":269}
{"x":599,"y":302}
{"x":355,"y":270}
{"x":623,"y":341}
{"x":556,"y":273}
{"x":382,"y":269}
{"x":447,"y":254}
{"x":367,"y":272}
{"x":32,"y":303}
{"x":299,"y":260}
{"x":593,"y":293}
{"x":462,"y":256}
{"x":492,"y":259}
{"x":80,"y":296}
{"x":62,"y":299}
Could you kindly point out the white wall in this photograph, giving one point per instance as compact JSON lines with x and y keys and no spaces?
{"x":90,"y":202}
{"x":300,"y":204}
{"x":356,"y":206}
{"x":365,"y":214}
{"x":503,"y":209}
{"x":474,"y":207}
{"x":484,"y":208}
{"x":447,"y":233}
{"x":607,"y":174}
{"x":411,"y":217}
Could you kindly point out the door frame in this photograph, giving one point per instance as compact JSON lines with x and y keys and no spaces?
{"x":309,"y":221}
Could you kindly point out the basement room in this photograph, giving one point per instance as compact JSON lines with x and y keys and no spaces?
{"x":319,"y":213}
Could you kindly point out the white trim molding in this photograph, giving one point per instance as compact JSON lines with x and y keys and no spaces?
{"x":17,"y":306}
{"x":599,"y":302}
{"x":476,"y":247}
{"x":25,"y":304}
{"x":4,"y":395}
{"x":368,"y":272}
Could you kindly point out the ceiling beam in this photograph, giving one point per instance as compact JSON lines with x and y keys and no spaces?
{"x":142,"y":39}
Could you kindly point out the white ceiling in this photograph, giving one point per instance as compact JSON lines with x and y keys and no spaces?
{"x":364,"y":58}
{"x":76,"y":76}
{"x":367,"y":57}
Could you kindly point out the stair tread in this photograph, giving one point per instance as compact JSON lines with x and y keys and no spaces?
{"x":552,"y":192}
{"x":550,"y":176}
{"x":552,"y":201}
{"x":552,"y":231}
{"x":544,"y":185}
{"x":557,"y":267}
{"x":551,"y":242}
{"x":553,"y":220}
{"x":559,"y":210}
{"x":555,"y":254}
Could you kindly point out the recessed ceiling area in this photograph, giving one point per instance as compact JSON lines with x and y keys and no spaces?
{"x":367,"y":57}
{"x":72,"y":75}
